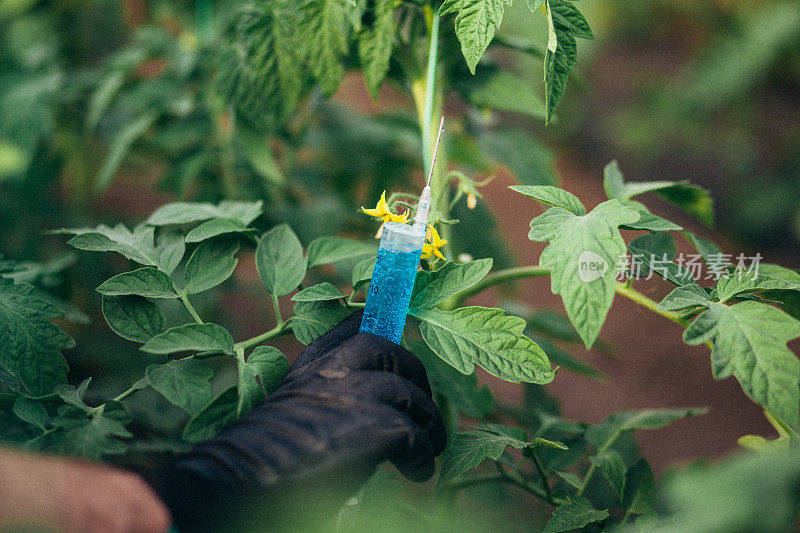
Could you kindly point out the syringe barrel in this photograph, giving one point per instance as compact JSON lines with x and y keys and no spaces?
{"x":393,"y":280}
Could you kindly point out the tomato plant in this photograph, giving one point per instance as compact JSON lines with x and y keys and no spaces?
{"x":235,"y":114}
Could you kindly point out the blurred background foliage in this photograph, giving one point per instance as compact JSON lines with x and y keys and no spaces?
{"x":110,"y":108}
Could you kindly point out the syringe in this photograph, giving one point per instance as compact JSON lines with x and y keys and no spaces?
{"x":396,"y":267}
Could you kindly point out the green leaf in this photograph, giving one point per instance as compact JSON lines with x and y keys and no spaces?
{"x":609,"y":429}
{"x":729,"y":495}
{"x":270,"y":365}
{"x":31,"y":412}
{"x":197,"y":337}
{"x":566,"y":15}
{"x":655,"y":252}
{"x":210,"y":420}
{"x":133,"y":317}
{"x":324,"y":250}
{"x":312,"y":319}
{"x":375,"y":46}
{"x":30,"y":345}
{"x":476,"y":22}
{"x":704,"y":247}
{"x":574,"y":515}
{"x":750,"y":343}
{"x":564,"y":359}
{"x":584,"y":253}
{"x":190,"y":212}
{"x":647,"y":220}
{"x":777,"y":271}
{"x":486,"y":337}
{"x":613,"y":468}
{"x":790,"y":299}
{"x":683,"y":297}
{"x":362,"y":272}
{"x":91,"y":436}
{"x":216,"y":227}
{"x":552,"y":324}
{"x":322,"y":31}
{"x":259,"y":376}
{"x":321,"y":291}
{"x":639,"y":490}
{"x":434,"y":287}
{"x":137,"y":245}
{"x":503,"y":91}
{"x":184,"y":382}
{"x":693,"y":199}
{"x":259,"y":154}
{"x":461,"y":390}
{"x":552,"y":196}
{"x":210,"y":264}
{"x":468,"y":449}
{"x":534,"y":5}
{"x":260,"y":71}
{"x":170,"y":248}
{"x":102,"y":96}
{"x":559,"y":60}
{"x":525,"y":156}
{"x":120,"y":146}
{"x":570,"y":478}
{"x":147,"y":281}
{"x":280,"y":261}
{"x":743,"y":281}
{"x":759,"y":444}
{"x":74,"y":397}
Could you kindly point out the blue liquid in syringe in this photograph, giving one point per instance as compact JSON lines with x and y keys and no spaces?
{"x":390,"y":293}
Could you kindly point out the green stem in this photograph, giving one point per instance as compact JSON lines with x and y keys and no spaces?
{"x":430,"y":89}
{"x":190,"y":308}
{"x":593,"y":466}
{"x":542,"y":476}
{"x":518,"y":481}
{"x":502,"y":276}
{"x":276,"y":307}
{"x":636,"y":296}
{"x":355,"y":305}
{"x":464,"y":482}
{"x":127,"y":393}
{"x":277,"y":331}
{"x":509,"y":274}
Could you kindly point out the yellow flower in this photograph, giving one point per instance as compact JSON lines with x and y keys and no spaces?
{"x":433,"y":245}
{"x":472,"y":201}
{"x":383,"y":212}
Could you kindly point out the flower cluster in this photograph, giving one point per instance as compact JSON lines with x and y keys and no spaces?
{"x":383,"y":212}
{"x":433,"y":242}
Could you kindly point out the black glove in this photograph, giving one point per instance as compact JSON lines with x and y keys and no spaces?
{"x":349,"y":402}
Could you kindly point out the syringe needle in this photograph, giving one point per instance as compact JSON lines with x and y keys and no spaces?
{"x":435,"y":151}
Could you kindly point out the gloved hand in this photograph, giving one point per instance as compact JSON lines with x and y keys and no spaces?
{"x":349,"y":402}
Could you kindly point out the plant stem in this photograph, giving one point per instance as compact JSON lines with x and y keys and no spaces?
{"x":509,"y":274}
{"x":127,"y":393}
{"x":430,"y":89}
{"x":517,"y":480}
{"x":464,"y":482}
{"x":542,"y":475}
{"x":644,"y":301}
{"x":632,"y":294}
{"x":593,"y":466}
{"x":502,"y":276}
{"x":277,"y":331}
{"x":276,"y":307}
{"x":355,"y":305}
{"x":190,"y":308}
